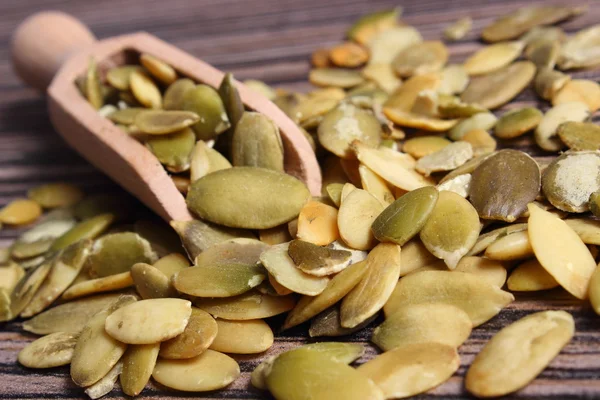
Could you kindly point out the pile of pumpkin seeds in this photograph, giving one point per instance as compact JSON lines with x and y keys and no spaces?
{"x":420,"y":217}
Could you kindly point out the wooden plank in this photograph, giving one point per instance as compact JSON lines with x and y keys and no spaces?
{"x":269,"y":40}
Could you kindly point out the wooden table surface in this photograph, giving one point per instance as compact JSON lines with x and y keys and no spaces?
{"x":269,"y":40}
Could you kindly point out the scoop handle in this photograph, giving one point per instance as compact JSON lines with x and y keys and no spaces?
{"x":42,"y":42}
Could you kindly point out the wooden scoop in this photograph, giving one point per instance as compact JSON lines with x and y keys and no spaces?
{"x":50,"y":50}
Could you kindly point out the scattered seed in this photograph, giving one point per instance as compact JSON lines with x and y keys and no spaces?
{"x":492,"y":58}
{"x":458,"y":29}
{"x":368,"y":26}
{"x":198,"y":335}
{"x":579,"y":50}
{"x":356,"y":215}
{"x":448,"y":158}
{"x":545,"y":133}
{"x":317,"y":223}
{"x":517,"y":122}
{"x":20,"y":212}
{"x":49,"y":351}
{"x":250,"y":305}
{"x":529,"y":277}
{"x":483,"y":121}
{"x":579,"y":135}
{"x":242,"y":337}
{"x":420,"y":58}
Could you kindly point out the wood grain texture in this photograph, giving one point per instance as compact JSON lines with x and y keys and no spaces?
{"x":269,"y":40}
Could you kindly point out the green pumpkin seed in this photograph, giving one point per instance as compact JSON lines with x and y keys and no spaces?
{"x":145,"y":90}
{"x":96,"y":353}
{"x":171,"y":264}
{"x":173,"y":150}
{"x":53,"y":195}
{"x":420,"y":58}
{"x":149,"y":321}
{"x":484,"y":121}
{"x":504,"y":199}
{"x":138,"y":362}
{"x":369,"y":25}
{"x":118,"y":77}
{"x":88,"y":229}
{"x":204,"y":160}
{"x":404,"y":218}
{"x":205,"y":101}
{"x":394,"y":372}
{"x":65,"y":268}
{"x":160,"y":122}
{"x":316,"y":260}
{"x":518,"y":353}
{"x":231,"y":99}
{"x":335,"y":77}
{"x":198,"y":236}
{"x":423,"y":323}
{"x":450,"y":157}
{"x":20,"y":212}
{"x":150,"y":282}
{"x":469,"y":292}
{"x":530,"y":276}
{"x":250,"y":305}
{"x":93,"y":286}
{"x":216,"y":369}
{"x":261,"y":88}
{"x":233,"y":251}
{"x":49,"y":351}
{"x":242,"y":337}
{"x":516,"y":122}
{"x":580,"y":135}
{"x":290,"y":372}
{"x":27,"y":287}
{"x":376,"y":286}
{"x":5,"y":314}
{"x":570,"y":179}
{"x":492,"y":58}
{"x":309,"y":112}
{"x":93,"y":86}
{"x":543,"y":53}
{"x":174,"y":95}
{"x":198,"y":335}
{"x":497,"y":88}
{"x":20,"y":250}
{"x":158,"y":68}
{"x":345,"y":124}
{"x":47,"y":229}
{"x":257,"y":143}
{"x":451,"y":229}
{"x":549,"y":82}
{"x":336,"y":289}
{"x":594,"y":203}
{"x":217,"y":197}
{"x":545,"y":133}
{"x":117,"y":252}
{"x":458,"y":29}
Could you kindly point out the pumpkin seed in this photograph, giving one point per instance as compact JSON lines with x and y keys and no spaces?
{"x":250,"y":305}
{"x":53,"y":195}
{"x":451,"y":229}
{"x":160,"y":122}
{"x":515,"y":123}
{"x":422,"y":146}
{"x":215,"y":197}
{"x":348,"y":55}
{"x":198,"y":236}
{"x":171,"y":264}
{"x":93,"y":86}
{"x":173,"y":150}
{"x":383,"y":76}
{"x":106,"y":384}
{"x":542,"y":33}
{"x":106,"y":284}
{"x":448,"y":158}
{"x":469,"y":292}
{"x":579,"y":90}
{"x":385,"y":45}
{"x":518,"y":353}
{"x":10,"y":275}
{"x":221,"y":280}
{"x":543,"y":53}
{"x":96,"y":353}
{"x":530,"y":276}
{"x":233,"y":251}
{"x":316,"y":260}
{"x":545,"y":133}
{"x":292,"y":370}
{"x":579,"y":135}
{"x":504,"y":199}
{"x":491,"y":271}
{"x":277,"y":235}
{"x":279,"y":264}
{"x":145,"y":90}
{"x":242,"y":337}
{"x":375,"y":185}
{"x":174,"y":95}
{"x":588,"y":230}
{"x":497,"y":88}
{"x":412,"y":120}
{"x":20,"y":212}
{"x":158,"y":68}
{"x":414,"y":255}
{"x":549,"y":82}
{"x":560,"y":251}
{"x":452,"y":107}
{"x":65,"y":268}
{"x":327,"y":324}
{"x":27,"y":287}
{"x":350,"y":168}
{"x":481,"y":142}
{"x":515,"y":246}
{"x":309,"y":112}
{"x":345,"y":124}
{"x":336,"y":289}
{"x":404,"y":218}
{"x":338,"y":352}
{"x":376,"y":286}
{"x":492,"y":58}
{"x":335,"y":77}
{"x":119,"y":77}
{"x":454,"y":79}
{"x":21,"y":251}
{"x":198,"y":335}
{"x":394,"y":372}
{"x":276,"y":289}
{"x":570,"y":179}
{"x":256,"y":143}
{"x":138,"y":362}
{"x":395,"y":167}
{"x":356,"y":215}
{"x":420,"y":58}
{"x":317,"y":223}
{"x":204,"y":160}
{"x":593,"y":291}
{"x":88,"y":229}
{"x":231,"y":99}
{"x":206,"y":102}
{"x":458,"y":29}
{"x":216,"y":369}
{"x":346,"y":190}
{"x":49,"y":351}
{"x":117,"y":252}
{"x":5,"y":313}
{"x":370,"y":25}
{"x":403,"y":98}
{"x":423,"y":323}
{"x":483,"y":121}
{"x":579,"y":51}
{"x":523,"y":19}
{"x":149,"y":321}
{"x":150,"y":282}
{"x":459,"y":185}
{"x":45,"y":231}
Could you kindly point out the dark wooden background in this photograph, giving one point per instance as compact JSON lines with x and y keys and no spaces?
{"x":269,"y":40}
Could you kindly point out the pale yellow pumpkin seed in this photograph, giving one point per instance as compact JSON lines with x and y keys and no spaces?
{"x":158,"y":68}
{"x":250,"y":305}
{"x":145,"y":90}
{"x":242,"y":337}
{"x":49,"y":351}
{"x":356,"y":215}
{"x":530,"y":276}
